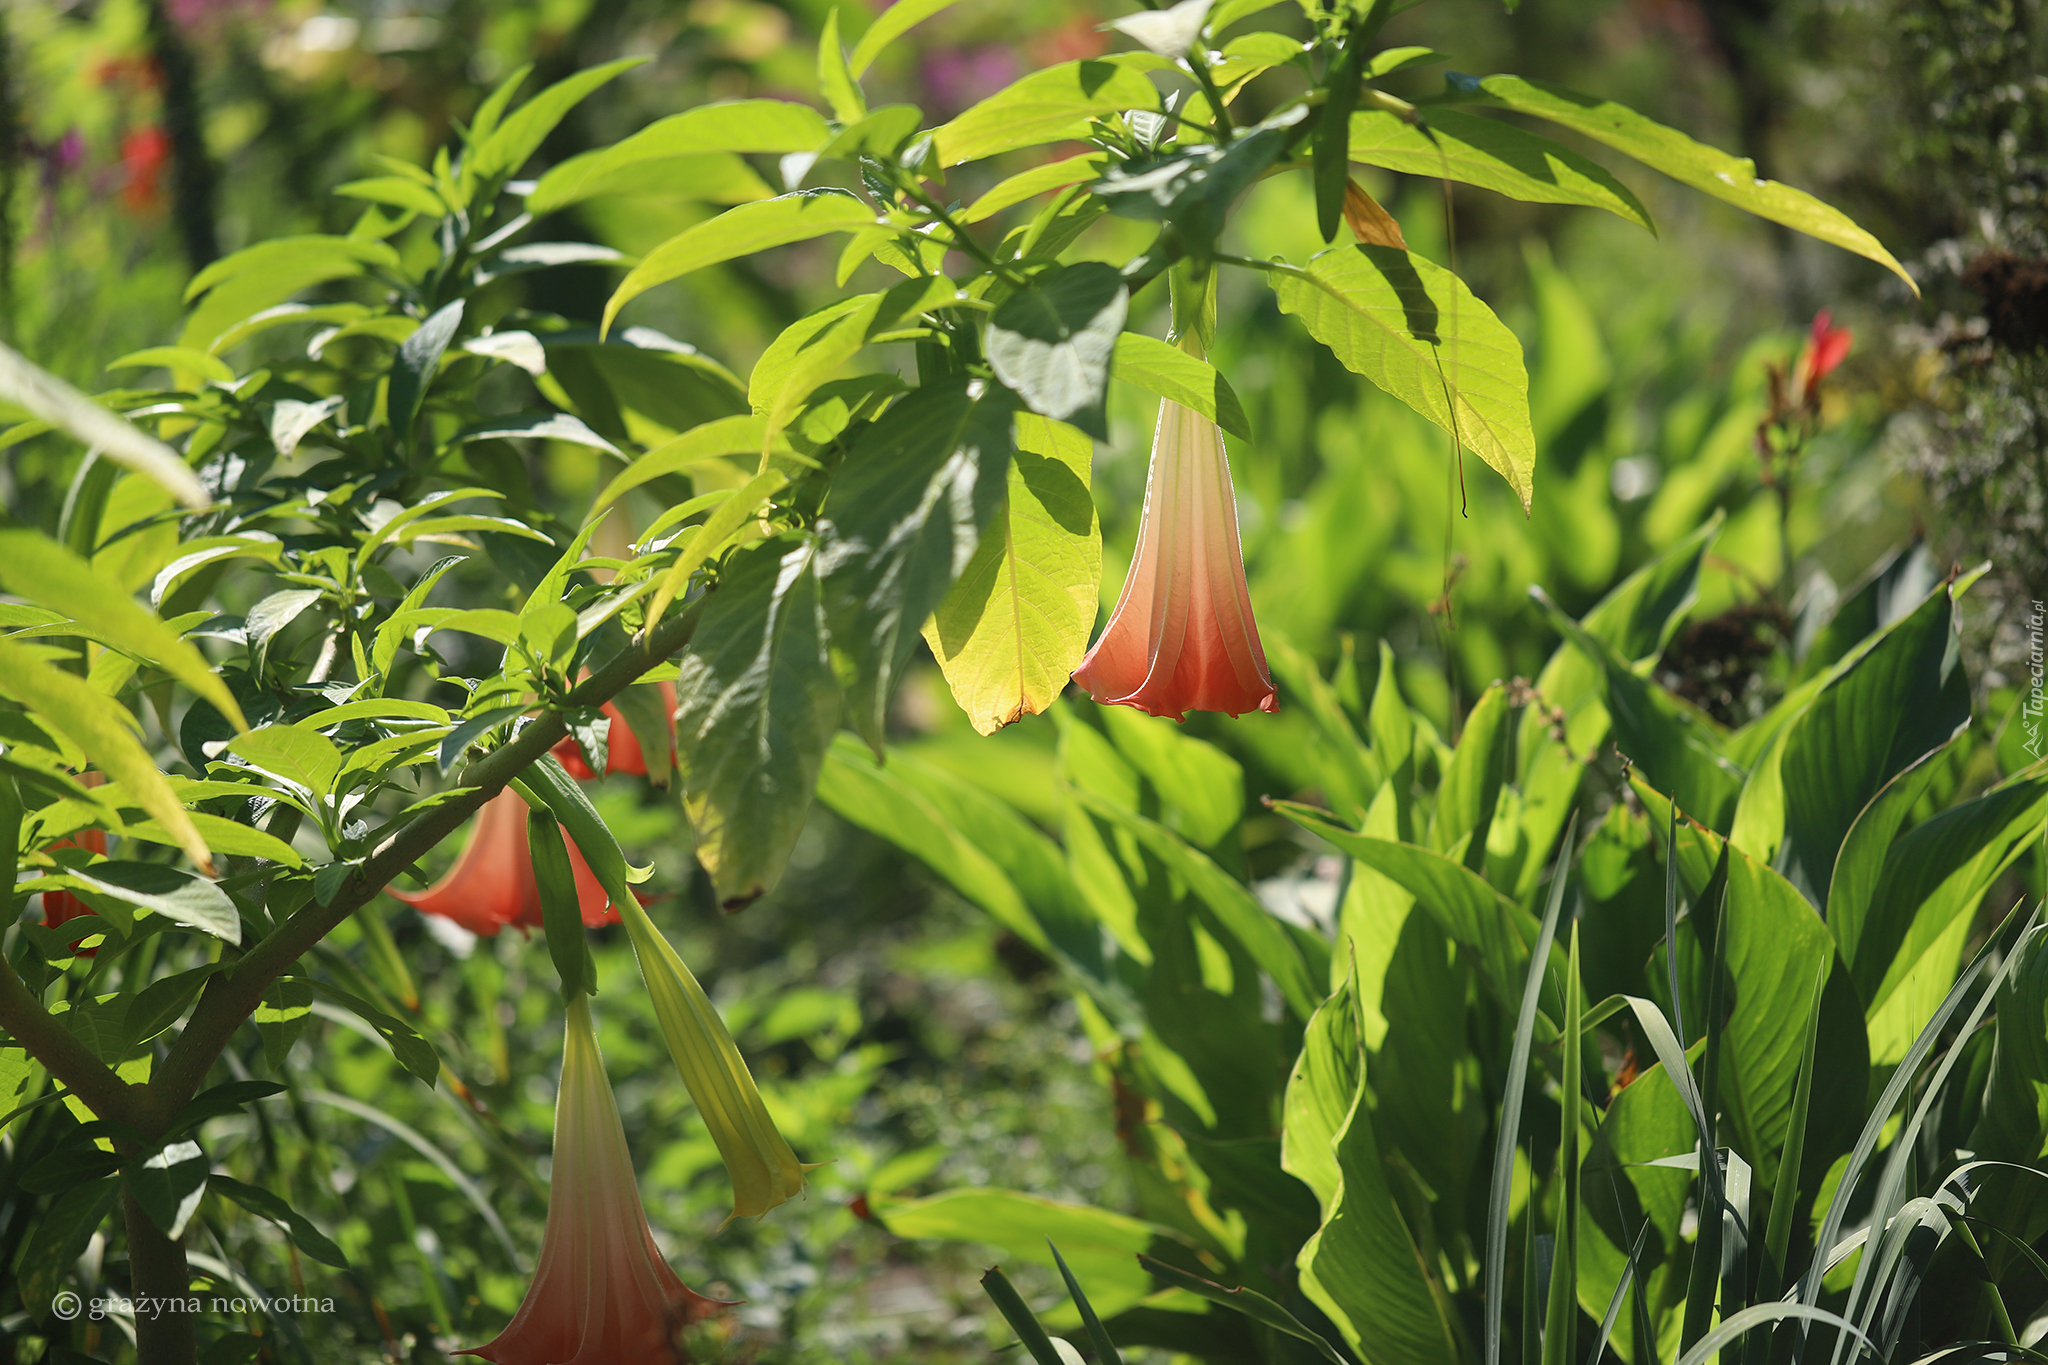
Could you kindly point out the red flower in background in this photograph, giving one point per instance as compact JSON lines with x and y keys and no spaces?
{"x":603,"y":1293}
{"x":60,"y":906}
{"x":623,"y":753}
{"x":492,"y":885}
{"x":1826,"y":347}
{"x":144,"y":154}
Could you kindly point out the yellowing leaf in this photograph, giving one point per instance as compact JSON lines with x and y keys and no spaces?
{"x":1017,"y":621}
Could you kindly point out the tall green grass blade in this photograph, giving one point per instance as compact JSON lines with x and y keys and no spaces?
{"x":1706,"y":1253}
{"x":1873,"y":1128}
{"x":1621,"y":1288}
{"x":1785,"y":1193}
{"x":1105,"y":1349}
{"x":1561,"y":1315}
{"x":1863,"y":1292}
{"x":1671,"y":923}
{"x":1735,"y":1324}
{"x":1020,"y":1317}
{"x":1249,"y":1302}
{"x":1511,"y":1104}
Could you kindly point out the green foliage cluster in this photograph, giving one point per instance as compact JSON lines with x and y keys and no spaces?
{"x":366,"y":617}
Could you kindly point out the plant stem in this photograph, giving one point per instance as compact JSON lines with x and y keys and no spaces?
{"x":158,"y":1273}
{"x":69,"y":1060}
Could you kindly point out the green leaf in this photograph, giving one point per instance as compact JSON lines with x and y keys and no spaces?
{"x":1876,"y":714}
{"x":169,"y":1185}
{"x":907,"y":510}
{"x":811,"y":350}
{"x":1472,"y":781}
{"x":222,"y":835}
{"x":536,"y":426}
{"x":43,"y":395}
{"x":713,"y":440}
{"x":1733,"y":179}
{"x":1173,"y":374}
{"x":1053,"y":175}
{"x":764,"y":126}
{"x":256,"y":277}
{"x":413,"y":1052}
{"x":519,"y":136}
{"x":834,"y":77}
{"x":303,"y":757}
{"x":417,"y":362}
{"x":1016,"y":623}
{"x":891,"y":24}
{"x":1414,"y":329}
{"x":59,"y":1236}
{"x":281,"y":1017}
{"x":398,"y":192}
{"x":1328,"y":146}
{"x":2014,"y":1123}
{"x":756,"y":705}
{"x":305,"y":1236}
{"x":1052,"y":105}
{"x":1493,"y":155}
{"x":158,"y":1005}
{"x":707,"y":177}
{"x":1052,"y":343}
{"x":1249,"y":1302}
{"x":1362,"y":1267}
{"x":742,"y":232}
{"x":881,"y":135}
{"x":1030,"y":1332}
{"x":105,"y":731}
{"x":38,"y":568}
{"x":1101,"y":1246}
{"x":1904,"y":951}
{"x":1264,"y":937}
{"x":176,"y":358}
{"x":1190,"y":191}
{"x":178,"y":896}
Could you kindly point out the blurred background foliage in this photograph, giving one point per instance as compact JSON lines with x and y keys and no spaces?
{"x":898,"y":1033}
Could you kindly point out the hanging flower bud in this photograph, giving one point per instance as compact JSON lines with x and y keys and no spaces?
{"x":1182,"y":636}
{"x":1826,"y":347}
{"x":602,"y":1292}
{"x":492,"y":885}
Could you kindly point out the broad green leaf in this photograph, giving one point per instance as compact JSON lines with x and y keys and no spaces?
{"x":1102,"y":1247}
{"x":1262,"y":936}
{"x":530,"y":256}
{"x":496,"y":103}
{"x":297,"y":1226}
{"x":1052,"y":105}
{"x":178,"y":896}
{"x":1472,"y":781}
{"x":223,"y":835}
{"x":1414,"y":329}
{"x":891,"y":24}
{"x":1733,"y":179}
{"x":1200,"y":788}
{"x":176,"y":358}
{"x":1016,"y":623}
{"x":1875,"y":715}
{"x":59,"y":1237}
{"x":711,"y":538}
{"x":1859,"y":867}
{"x":881,"y":134}
{"x":1173,"y":374}
{"x":304,"y":757}
{"x":1905,"y":953}
{"x":520,"y":134}
{"x":767,"y":126}
{"x":105,"y":731}
{"x":813,"y":349}
{"x":756,"y":705}
{"x":1362,"y":1267}
{"x":1054,"y":175}
{"x":834,"y":77}
{"x":417,"y":362}
{"x":1492,"y":155}
{"x":741,"y":232}
{"x":43,"y":395}
{"x":393,"y":526}
{"x":708,"y":177}
{"x":1053,"y":342}
{"x":38,"y":568}
{"x":907,"y":510}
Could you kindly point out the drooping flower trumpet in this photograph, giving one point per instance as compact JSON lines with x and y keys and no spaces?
{"x":623,"y":751}
{"x":491,"y":884}
{"x":1182,"y":636}
{"x":602,"y":1293}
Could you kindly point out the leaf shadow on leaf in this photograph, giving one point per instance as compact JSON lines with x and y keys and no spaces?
{"x":1418,"y":310}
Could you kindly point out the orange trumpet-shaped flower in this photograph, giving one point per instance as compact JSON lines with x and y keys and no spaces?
{"x":491,"y":884}
{"x":623,"y":753}
{"x":1182,"y":636}
{"x":603,"y":1294}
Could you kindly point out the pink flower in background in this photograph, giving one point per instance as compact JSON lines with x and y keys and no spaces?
{"x":956,"y":78}
{"x":1182,"y":636}
{"x":1826,"y":346}
{"x":603,"y":1294}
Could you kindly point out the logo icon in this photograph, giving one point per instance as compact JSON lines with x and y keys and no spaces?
{"x":66,"y":1305}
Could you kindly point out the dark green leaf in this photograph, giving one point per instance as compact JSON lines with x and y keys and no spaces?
{"x":1018,"y":1314}
{"x":297,"y":1226}
{"x":1053,"y":342}
{"x":229,"y":1097}
{"x":417,"y":362}
{"x":1190,"y":192}
{"x":1252,"y":1304}
{"x":169,"y":1185}
{"x":178,"y":896}
{"x":59,"y":1238}
{"x":756,"y":705}
{"x":157,"y":1006}
{"x":413,"y":1052}
{"x":906,"y":513}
